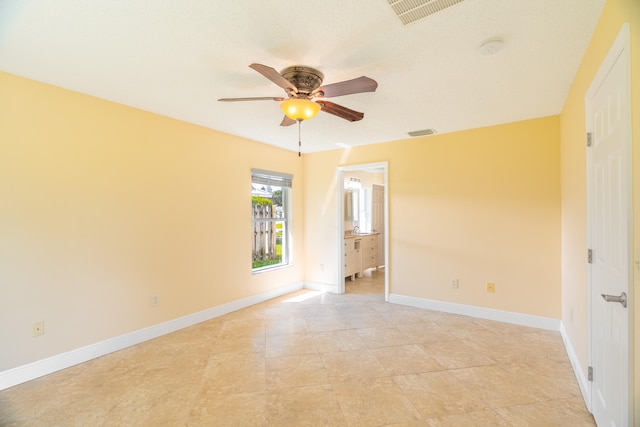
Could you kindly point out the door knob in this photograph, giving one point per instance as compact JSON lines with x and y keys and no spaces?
{"x":622,"y":299}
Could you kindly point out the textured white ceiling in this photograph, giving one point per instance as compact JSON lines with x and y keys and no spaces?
{"x":176,"y":58}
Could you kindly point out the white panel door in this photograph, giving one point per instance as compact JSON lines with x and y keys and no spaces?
{"x":609,"y":194}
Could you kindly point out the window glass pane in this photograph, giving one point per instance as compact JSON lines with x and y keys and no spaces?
{"x":270,"y":221}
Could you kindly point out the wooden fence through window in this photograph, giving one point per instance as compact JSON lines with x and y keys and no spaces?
{"x":264,"y":232}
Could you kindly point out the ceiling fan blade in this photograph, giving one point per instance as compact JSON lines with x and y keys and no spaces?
{"x":286,"y":121}
{"x":340,"y":111}
{"x":274,"y":76}
{"x":347,"y":87}
{"x":256,"y":98}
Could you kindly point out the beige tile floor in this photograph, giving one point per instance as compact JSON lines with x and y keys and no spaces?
{"x":310,"y":359}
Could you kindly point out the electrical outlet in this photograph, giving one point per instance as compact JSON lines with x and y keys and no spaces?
{"x":491,"y":287}
{"x":38,"y":329}
{"x":321,"y":267}
{"x":454,"y":284}
{"x":155,"y":300}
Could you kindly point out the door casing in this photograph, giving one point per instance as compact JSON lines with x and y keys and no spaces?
{"x":384,"y":166}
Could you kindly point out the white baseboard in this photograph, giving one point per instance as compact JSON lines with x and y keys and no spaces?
{"x":322,"y":287}
{"x":24,"y":373}
{"x":479,"y":312}
{"x":583,"y":381}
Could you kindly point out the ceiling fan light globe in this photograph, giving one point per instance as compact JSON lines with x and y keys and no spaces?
{"x":299,"y":109}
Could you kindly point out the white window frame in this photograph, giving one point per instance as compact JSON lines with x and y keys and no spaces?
{"x":285,"y":182}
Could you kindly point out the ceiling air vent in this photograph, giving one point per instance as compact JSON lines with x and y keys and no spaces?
{"x":412,"y":10}
{"x":422,"y":132}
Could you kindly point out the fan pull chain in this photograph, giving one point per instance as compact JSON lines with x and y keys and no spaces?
{"x":299,"y":139}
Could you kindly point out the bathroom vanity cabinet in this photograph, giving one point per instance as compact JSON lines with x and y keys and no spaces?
{"x":369,"y":250}
{"x":360,"y":253}
{"x":352,"y":257}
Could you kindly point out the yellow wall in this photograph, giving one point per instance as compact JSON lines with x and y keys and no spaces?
{"x":102,"y":206}
{"x":481,"y":205}
{"x":574,"y":202}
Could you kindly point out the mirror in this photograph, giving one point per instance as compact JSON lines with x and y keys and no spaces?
{"x":351,"y":208}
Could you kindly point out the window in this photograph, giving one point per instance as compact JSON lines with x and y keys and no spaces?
{"x":271,"y":219}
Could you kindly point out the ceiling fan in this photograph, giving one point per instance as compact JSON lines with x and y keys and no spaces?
{"x":305,"y":93}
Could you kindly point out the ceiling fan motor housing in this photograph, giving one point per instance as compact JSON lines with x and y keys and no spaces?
{"x":306,"y":79}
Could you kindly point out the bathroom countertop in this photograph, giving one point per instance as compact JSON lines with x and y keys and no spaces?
{"x":359,"y":235}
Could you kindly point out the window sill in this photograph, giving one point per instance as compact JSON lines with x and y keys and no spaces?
{"x":269,"y":268}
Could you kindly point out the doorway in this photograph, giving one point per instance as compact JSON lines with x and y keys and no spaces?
{"x":356,"y":210}
{"x":610,"y":223}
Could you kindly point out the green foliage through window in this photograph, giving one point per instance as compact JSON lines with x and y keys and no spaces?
{"x":260,"y":201}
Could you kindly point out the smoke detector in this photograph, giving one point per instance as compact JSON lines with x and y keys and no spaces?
{"x":491,"y":46}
